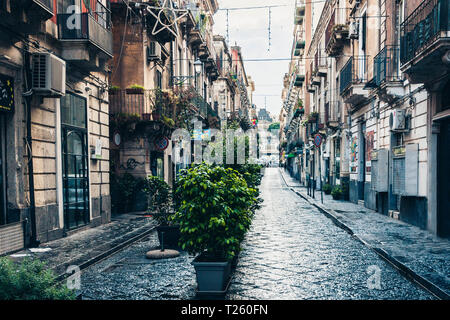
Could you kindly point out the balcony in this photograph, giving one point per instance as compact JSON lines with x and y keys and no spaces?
{"x":43,"y":8}
{"x":425,"y":38}
{"x":90,"y":45}
{"x":387,"y":76}
{"x":25,"y":16}
{"x":336,"y":35}
{"x":352,"y":80}
{"x":145,"y":104}
{"x":299,"y":79}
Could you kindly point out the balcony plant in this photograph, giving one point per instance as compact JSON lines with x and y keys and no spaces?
{"x":214,"y":214}
{"x":114,"y":89}
{"x":135,"y":89}
{"x":160,"y":207}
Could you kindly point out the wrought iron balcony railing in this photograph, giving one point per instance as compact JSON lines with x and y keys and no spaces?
{"x":427,"y":22}
{"x":386,"y":65}
{"x":354,"y":72}
{"x":94,"y":27}
{"x":140,"y":103}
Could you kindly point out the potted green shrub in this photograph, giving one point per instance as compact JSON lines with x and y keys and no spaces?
{"x":159,"y":206}
{"x":336,"y":193}
{"x":327,"y":188}
{"x":214,"y":214}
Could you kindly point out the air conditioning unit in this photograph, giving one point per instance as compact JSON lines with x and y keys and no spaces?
{"x":48,"y":75}
{"x":397,"y":120}
{"x":354,"y":30}
{"x":153,"y":51}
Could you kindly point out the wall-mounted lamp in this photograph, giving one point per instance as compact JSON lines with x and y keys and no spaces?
{"x":198,"y":65}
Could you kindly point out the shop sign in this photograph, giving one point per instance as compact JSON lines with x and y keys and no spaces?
{"x":6,"y":94}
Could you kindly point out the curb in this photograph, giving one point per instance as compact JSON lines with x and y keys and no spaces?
{"x":109,"y":252}
{"x":401,"y":267}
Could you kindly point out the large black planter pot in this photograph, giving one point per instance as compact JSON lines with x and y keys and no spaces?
{"x":212,"y":276}
{"x":171,"y":236}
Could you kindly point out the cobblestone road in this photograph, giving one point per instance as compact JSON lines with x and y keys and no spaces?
{"x":291,"y":252}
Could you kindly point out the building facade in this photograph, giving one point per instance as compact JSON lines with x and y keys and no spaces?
{"x":54,"y":132}
{"x":375,"y":95}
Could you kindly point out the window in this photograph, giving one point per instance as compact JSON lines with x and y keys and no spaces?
{"x":158,"y":79}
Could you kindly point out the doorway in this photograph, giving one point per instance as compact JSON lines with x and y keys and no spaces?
{"x":75,"y":161}
{"x":443,"y":183}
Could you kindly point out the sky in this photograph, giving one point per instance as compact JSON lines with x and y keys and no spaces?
{"x":249,"y":30}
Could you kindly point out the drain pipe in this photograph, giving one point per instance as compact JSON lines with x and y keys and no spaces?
{"x":27,"y":98}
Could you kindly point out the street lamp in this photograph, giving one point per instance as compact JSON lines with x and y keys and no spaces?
{"x":198,"y":66}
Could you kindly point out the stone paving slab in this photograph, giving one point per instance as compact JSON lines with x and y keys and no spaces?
{"x":416,"y":252}
{"x":91,"y":245}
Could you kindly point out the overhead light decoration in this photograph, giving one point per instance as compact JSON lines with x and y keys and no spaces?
{"x":171,"y":13}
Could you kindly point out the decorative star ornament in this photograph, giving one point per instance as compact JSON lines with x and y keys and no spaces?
{"x":172,"y":14}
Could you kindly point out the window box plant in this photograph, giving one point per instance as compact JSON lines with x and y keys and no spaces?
{"x":214,"y":214}
{"x":135,"y":89}
{"x":114,"y":90}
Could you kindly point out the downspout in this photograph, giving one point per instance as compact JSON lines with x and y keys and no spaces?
{"x":33,"y":241}
{"x":171,"y":83}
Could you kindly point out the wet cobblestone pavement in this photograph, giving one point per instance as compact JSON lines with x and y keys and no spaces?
{"x":295,"y":252}
{"x":291,"y":252}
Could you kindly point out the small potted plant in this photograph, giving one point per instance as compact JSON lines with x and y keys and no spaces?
{"x":214,"y":214}
{"x":159,"y":205}
{"x":135,"y":89}
{"x":336,"y":193}
{"x":327,"y":188}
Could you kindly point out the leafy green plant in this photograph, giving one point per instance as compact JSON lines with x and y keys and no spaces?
{"x":168,"y":121}
{"x":215,"y":211}
{"x":136,"y":86}
{"x":336,"y":193}
{"x":159,"y":202}
{"x":30,"y":280}
{"x":327,"y":188}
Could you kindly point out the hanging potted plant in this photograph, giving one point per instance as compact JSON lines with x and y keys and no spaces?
{"x":135,"y":89}
{"x":159,"y":206}
{"x":214,"y":214}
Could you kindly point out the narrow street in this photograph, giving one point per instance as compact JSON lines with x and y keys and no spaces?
{"x":292,"y":251}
